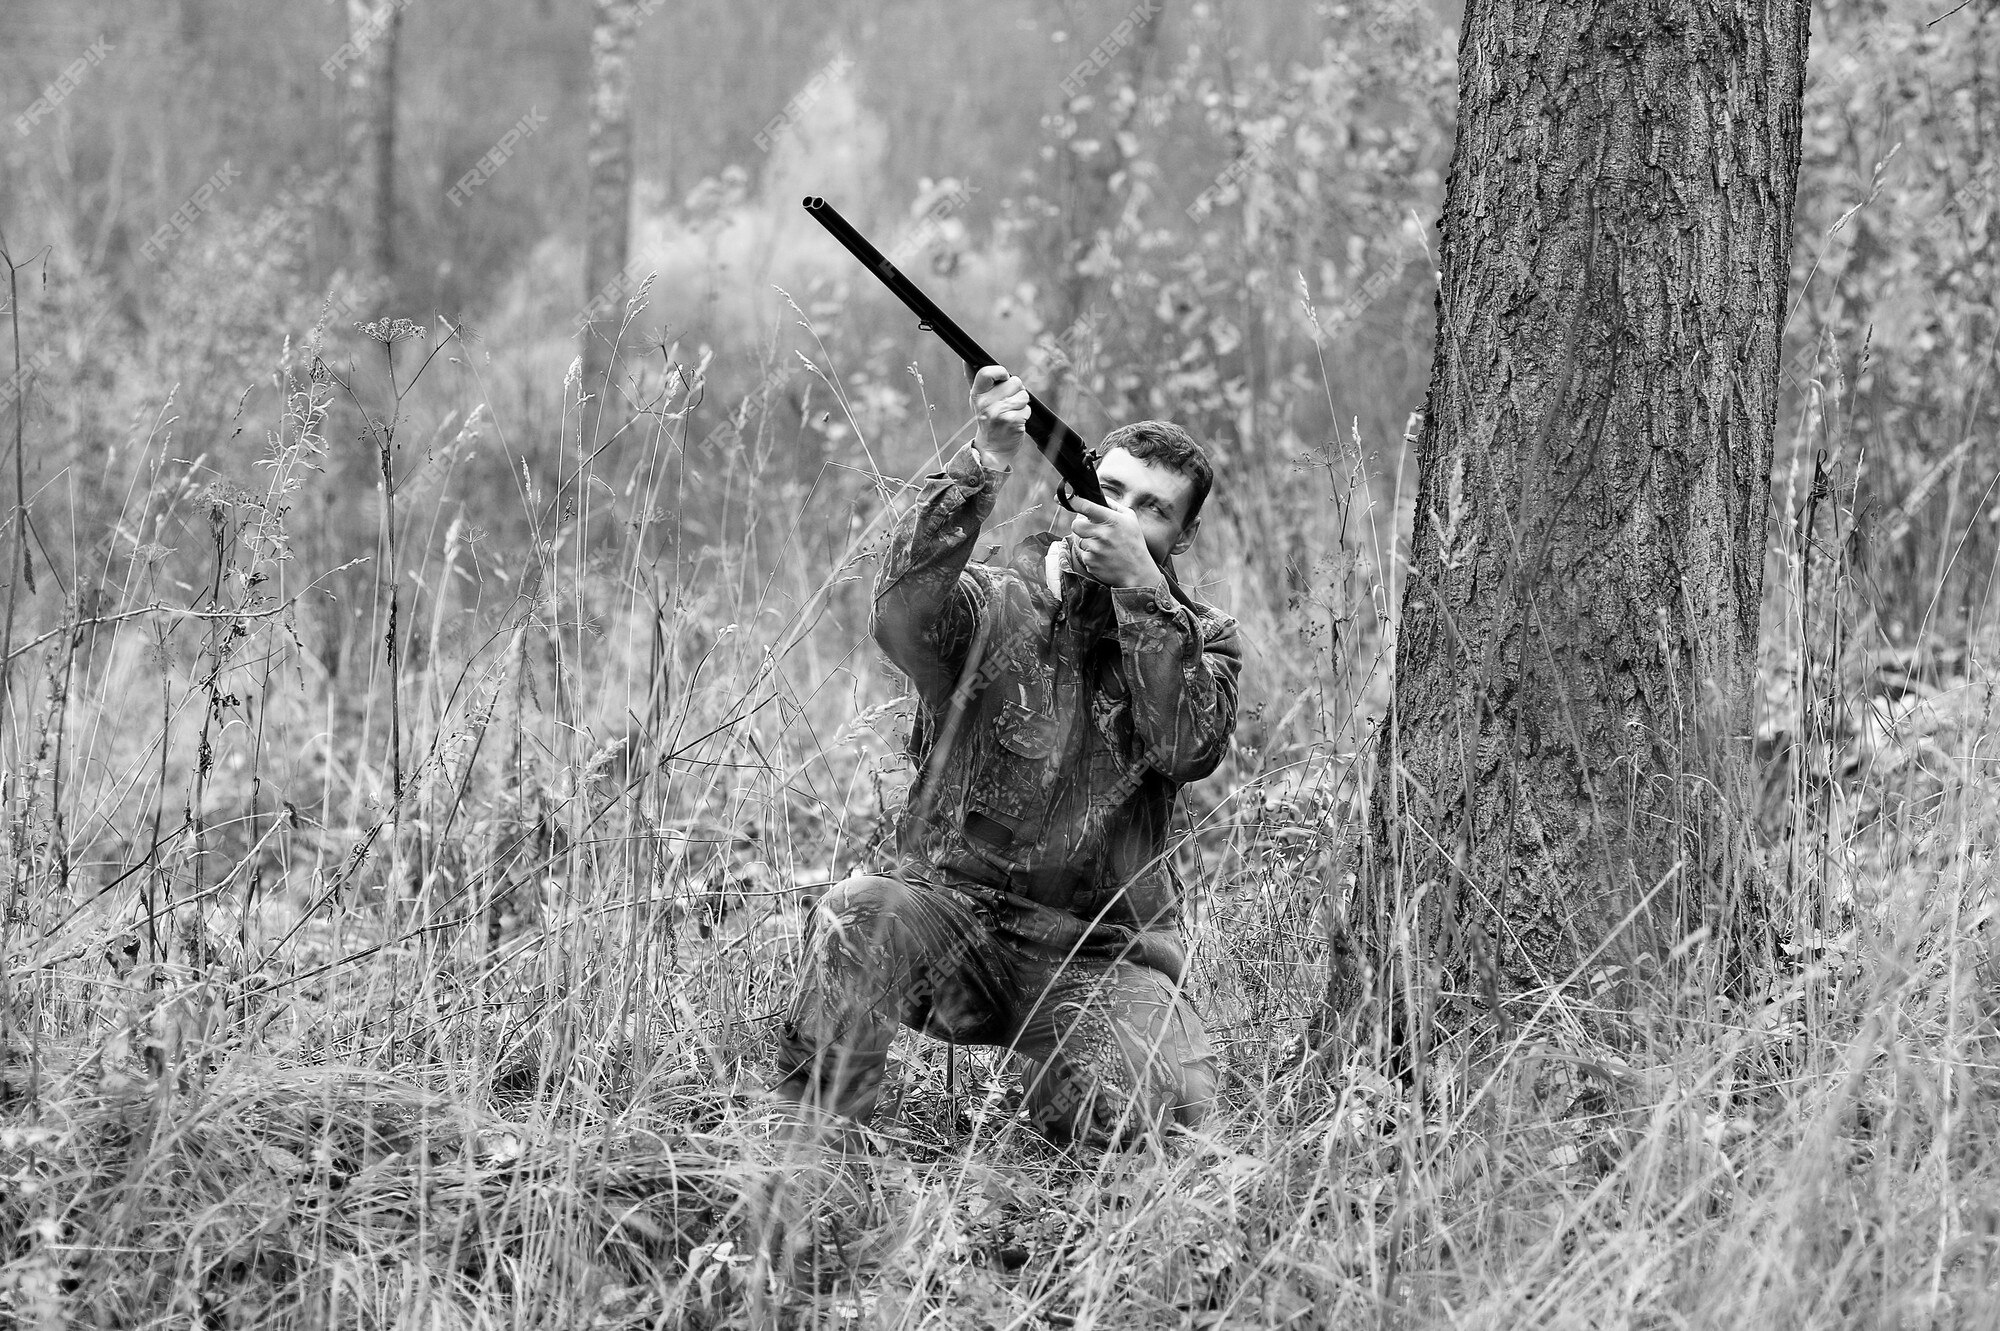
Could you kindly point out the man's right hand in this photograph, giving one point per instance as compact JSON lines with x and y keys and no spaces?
{"x":1000,"y":401}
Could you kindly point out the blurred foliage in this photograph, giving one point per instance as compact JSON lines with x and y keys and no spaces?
{"x":1077,"y":204}
{"x":1222,"y":214}
{"x":1896,"y":322}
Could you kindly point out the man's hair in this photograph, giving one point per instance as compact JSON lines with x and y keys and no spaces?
{"x":1167,"y":445}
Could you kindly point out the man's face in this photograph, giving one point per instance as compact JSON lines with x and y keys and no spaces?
{"x":1158,"y":496}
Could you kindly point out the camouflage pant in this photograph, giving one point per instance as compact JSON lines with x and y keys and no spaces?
{"x":1108,"y":1050}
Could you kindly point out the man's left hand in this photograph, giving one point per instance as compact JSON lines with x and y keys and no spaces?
{"x":1110,"y":545}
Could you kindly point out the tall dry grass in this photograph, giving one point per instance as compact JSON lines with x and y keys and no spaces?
{"x":424,"y":978}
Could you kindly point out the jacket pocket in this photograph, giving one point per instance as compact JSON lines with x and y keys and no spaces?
{"x":1024,"y":732}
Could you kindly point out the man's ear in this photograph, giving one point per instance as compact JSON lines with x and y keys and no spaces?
{"x":1186,"y":538}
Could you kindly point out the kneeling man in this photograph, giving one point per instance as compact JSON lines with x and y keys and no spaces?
{"x":1064,"y":699}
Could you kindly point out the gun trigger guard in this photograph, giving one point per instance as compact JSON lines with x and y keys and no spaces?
{"x":1064,"y":493}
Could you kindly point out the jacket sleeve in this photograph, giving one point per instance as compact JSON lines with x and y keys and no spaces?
{"x":928,"y":606}
{"x":1183,"y":671}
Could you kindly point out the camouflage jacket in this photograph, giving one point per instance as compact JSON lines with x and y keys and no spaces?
{"x":1053,"y":730}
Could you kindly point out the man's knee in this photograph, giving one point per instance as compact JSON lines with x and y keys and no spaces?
{"x":1125,"y":1073}
{"x":1174,"y":1066}
{"x":1194,"y":1096}
{"x":860,"y":902}
{"x":1107,"y":1108}
{"x":853,"y":922}
{"x":1164,"y":1045}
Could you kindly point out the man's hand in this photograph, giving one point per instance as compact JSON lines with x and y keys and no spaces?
{"x":1001,"y":402}
{"x":1111,"y":546}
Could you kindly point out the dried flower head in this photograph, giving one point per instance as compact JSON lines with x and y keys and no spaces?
{"x":390,"y":331}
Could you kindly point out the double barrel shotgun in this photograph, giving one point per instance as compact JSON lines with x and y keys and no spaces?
{"x":1062,"y":446}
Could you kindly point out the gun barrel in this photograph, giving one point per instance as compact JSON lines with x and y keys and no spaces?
{"x":1064,"y":447}
{"x":928,"y":314}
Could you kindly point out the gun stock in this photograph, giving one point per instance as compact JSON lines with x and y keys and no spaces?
{"x":1062,"y":446}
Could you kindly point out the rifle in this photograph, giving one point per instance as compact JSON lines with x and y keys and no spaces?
{"x":1062,"y":446}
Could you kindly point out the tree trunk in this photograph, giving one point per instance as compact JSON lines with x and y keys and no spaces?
{"x":375,"y":30}
{"x":605,"y":283}
{"x":1575,"y":659}
{"x":1101,"y":102}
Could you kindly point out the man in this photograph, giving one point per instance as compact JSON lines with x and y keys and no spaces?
{"x":1064,"y":699}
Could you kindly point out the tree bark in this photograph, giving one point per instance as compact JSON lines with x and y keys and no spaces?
{"x":375,"y":30}
{"x":1575,"y":658}
{"x":609,"y":228}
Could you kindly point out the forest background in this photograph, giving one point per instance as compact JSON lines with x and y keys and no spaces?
{"x":446,"y":837}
